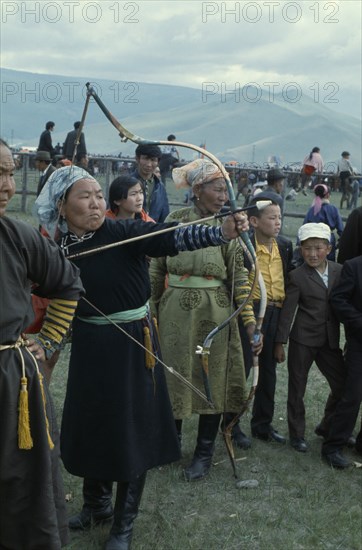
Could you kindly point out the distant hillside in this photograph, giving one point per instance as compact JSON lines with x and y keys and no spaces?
{"x":233,"y":130}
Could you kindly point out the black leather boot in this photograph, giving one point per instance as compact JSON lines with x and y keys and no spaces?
{"x":241,"y":440}
{"x":201,"y":462}
{"x":125,"y":512}
{"x":97,"y":507}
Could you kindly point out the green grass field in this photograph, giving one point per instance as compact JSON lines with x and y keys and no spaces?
{"x":299,"y":504}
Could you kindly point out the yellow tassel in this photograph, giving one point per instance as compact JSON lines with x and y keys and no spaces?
{"x":50,"y":442}
{"x":25,"y":440}
{"x":150,"y":360}
{"x":156,"y":327}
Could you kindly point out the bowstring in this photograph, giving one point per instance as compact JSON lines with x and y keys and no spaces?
{"x":156,"y":357}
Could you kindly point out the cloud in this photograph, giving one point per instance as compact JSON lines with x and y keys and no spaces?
{"x":189,"y":42}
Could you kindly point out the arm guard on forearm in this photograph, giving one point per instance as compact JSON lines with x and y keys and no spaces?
{"x":198,"y":236}
{"x":57,"y":321}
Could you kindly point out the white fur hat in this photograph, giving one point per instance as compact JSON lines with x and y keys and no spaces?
{"x":314,"y":231}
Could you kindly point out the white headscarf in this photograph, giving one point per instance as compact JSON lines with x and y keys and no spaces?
{"x":46,"y":206}
{"x":197,"y":171}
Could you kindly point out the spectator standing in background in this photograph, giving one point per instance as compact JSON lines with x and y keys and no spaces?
{"x":45,"y":140}
{"x":43,"y":163}
{"x":275,"y":185}
{"x":155,"y":196}
{"x":274,"y":191}
{"x":58,"y":149}
{"x":126,"y":200}
{"x":169,"y":158}
{"x":350,"y":243}
{"x":345,"y":170}
{"x":313,"y":163}
{"x":322,"y":211}
{"x":69,"y":145}
{"x":346,"y":301}
{"x":355,"y":192}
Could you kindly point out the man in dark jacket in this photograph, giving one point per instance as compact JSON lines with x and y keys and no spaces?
{"x":45,"y":140}
{"x":155,"y":196}
{"x":69,"y":145}
{"x":275,"y":188}
{"x":350,"y":242}
{"x":43,"y":163}
{"x":346,"y":300}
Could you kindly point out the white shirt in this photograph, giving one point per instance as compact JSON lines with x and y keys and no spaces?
{"x":324,"y":275}
{"x":170,"y":150}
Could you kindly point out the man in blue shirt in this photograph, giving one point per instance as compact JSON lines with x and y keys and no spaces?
{"x":155,"y":196}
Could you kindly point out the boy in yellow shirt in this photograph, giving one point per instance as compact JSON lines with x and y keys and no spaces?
{"x":274,"y":254}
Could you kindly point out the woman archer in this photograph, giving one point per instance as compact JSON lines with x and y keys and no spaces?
{"x":199,"y":296}
{"x":117,"y":419}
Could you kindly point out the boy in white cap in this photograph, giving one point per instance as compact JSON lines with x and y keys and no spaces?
{"x":314,"y":335}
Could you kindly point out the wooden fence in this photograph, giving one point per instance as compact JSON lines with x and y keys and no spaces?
{"x":108,"y":168}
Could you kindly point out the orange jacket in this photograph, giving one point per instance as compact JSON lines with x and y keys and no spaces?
{"x":143,"y":216}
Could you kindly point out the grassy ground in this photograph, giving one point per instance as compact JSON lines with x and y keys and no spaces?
{"x":299,"y":504}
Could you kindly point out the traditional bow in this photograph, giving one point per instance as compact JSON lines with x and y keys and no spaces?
{"x":204,"y":350}
{"x":127,"y":135}
{"x":227,"y":431}
{"x":244,"y":240}
{"x":94,"y":250}
{"x":258,"y":279}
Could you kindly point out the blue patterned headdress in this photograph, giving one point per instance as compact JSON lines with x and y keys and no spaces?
{"x":46,"y":206}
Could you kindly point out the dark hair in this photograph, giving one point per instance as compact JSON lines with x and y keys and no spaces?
{"x":76,"y":125}
{"x":274,"y":175}
{"x":49,"y":125}
{"x":171,"y":137}
{"x":314,"y":150}
{"x":345,"y":154}
{"x":321,"y":190}
{"x":148,"y":150}
{"x":260,"y":197}
{"x":119,"y":189}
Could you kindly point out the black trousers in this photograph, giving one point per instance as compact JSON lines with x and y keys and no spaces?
{"x":344,"y":177}
{"x":331,"y":365}
{"x":263,"y":408}
{"x":345,"y":416}
{"x":166,"y":164}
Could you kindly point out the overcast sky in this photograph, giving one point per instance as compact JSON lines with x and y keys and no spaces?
{"x":311,"y":46}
